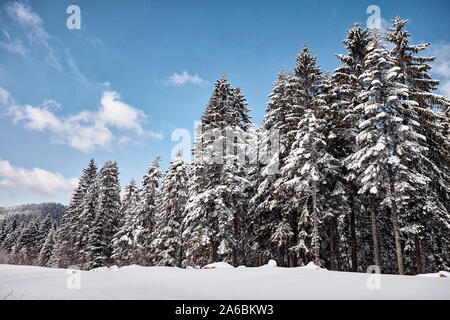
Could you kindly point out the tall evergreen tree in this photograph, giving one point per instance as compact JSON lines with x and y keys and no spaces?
{"x":68,"y":237}
{"x":265,"y":205}
{"x":124,"y":242}
{"x":212,"y":220}
{"x":108,"y":205}
{"x":348,"y":83}
{"x":46,"y":252}
{"x":428,"y":208}
{"x":89,"y":207}
{"x":387,"y":141}
{"x":147,"y":211}
{"x":169,"y":242}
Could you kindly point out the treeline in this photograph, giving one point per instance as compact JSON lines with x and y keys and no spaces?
{"x":359,"y":176}
{"x":24,"y":230}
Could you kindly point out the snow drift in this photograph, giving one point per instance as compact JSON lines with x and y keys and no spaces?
{"x":135,"y":282}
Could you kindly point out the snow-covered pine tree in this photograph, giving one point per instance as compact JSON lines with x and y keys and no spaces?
{"x":387,"y":141}
{"x":69,"y":229}
{"x":124,"y":242}
{"x":46,"y":252}
{"x":265,"y":206}
{"x":96,"y":255}
{"x":169,"y":242}
{"x":130,"y":199}
{"x":334,"y":208}
{"x":212,"y":217}
{"x":44,"y":228}
{"x":3,"y":226}
{"x":348,"y":86}
{"x":89,"y":206}
{"x":305,"y":166}
{"x":64,"y":238}
{"x":428,"y":210}
{"x":12,"y":232}
{"x":25,"y":250}
{"x":234,"y":181}
{"x":108,"y":205}
{"x":146,"y":213}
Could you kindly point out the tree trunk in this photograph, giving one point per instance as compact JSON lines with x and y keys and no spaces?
{"x":332,"y":253}
{"x":373,"y":221}
{"x":398,"y":246}
{"x":293,"y":220}
{"x":316,"y":227}
{"x":337,"y":245}
{"x":234,"y":250}
{"x":419,"y":263}
{"x":422,"y":255}
{"x":213,"y":253}
{"x":291,"y":261}
{"x":353,"y":238}
{"x":281,"y":257}
{"x":180,"y":256}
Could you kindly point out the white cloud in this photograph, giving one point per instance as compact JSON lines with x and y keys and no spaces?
{"x":33,"y":26}
{"x":39,"y":41}
{"x":445,"y":88}
{"x":24,"y":15}
{"x":15,"y":46}
{"x":37,"y":180}
{"x":6,"y":33}
{"x":183,"y":78}
{"x":75,"y":70}
{"x":5,"y":98}
{"x":50,"y":103}
{"x":442,"y":63}
{"x":120,"y":114}
{"x":85,"y":130}
{"x":441,"y":66}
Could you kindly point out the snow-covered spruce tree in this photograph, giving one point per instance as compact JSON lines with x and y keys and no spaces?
{"x":169,"y":242}
{"x":211,"y":222}
{"x":12,"y":233}
{"x":146,"y":212}
{"x":46,"y":252}
{"x":124,"y":242}
{"x":89,"y":206}
{"x":25,"y":250}
{"x":305,"y":164}
{"x":65,"y":252}
{"x":95,"y":254}
{"x":44,"y":228}
{"x":98,"y":219}
{"x":264,"y":205}
{"x":234,"y":182}
{"x":387,"y":142}
{"x":64,"y":241}
{"x":3,"y":226}
{"x":428,"y":210}
{"x":108,"y":207}
{"x":348,"y":86}
{"x":130,"y":199}
{"x":335,"y":207}
{"x":305,"y":170}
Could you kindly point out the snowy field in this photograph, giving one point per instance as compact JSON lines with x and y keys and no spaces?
{"x":223,"y":282}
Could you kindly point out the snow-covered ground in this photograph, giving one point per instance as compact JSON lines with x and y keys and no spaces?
{"x":220,"y":282}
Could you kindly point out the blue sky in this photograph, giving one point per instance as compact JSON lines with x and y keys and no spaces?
{"x":137,"y":70}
